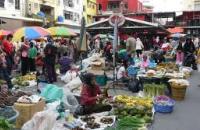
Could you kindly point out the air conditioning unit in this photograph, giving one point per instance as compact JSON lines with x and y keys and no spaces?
{"x":33,"y":8}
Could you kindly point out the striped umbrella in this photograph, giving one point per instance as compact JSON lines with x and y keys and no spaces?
{"x":30,"y":33}
{"x":61,"y":31}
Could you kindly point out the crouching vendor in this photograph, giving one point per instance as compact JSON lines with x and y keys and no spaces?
{"x":91,"y":97}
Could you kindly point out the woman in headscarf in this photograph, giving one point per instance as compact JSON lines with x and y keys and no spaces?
{"x":90,"y":96}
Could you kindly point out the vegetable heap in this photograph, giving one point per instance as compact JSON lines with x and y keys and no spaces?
{"x":133,"y":106}
{"x":151,"y":90}
{"x":5,"y":125}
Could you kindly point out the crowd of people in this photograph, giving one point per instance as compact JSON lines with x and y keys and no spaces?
{"x":29,"y":55}
{"x":35,"y":55}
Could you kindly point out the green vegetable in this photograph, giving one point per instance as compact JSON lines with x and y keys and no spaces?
{"x":151,"y":90}
{"x":130,"y":122}
{"x":5,"y":125}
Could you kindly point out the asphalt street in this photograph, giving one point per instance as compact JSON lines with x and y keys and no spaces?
{"x":186,"y":114}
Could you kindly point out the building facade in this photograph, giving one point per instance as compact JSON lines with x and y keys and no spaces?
{"x":90,"y":10}
{"x":191,"y":5}
{"x":115,"y":6}
{"x":42,"y":13}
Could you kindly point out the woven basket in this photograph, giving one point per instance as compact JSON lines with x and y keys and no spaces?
{"x":178,"y":91}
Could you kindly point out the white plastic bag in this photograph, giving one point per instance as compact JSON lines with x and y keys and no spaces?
{"x":69,"y":76}
{"x":74,"y":84}
{"x":53,"y":106}
{"x":41,"y":121}
{"x":70,"y":100}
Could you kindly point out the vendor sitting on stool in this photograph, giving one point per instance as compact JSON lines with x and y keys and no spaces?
{"x":90,"y":95}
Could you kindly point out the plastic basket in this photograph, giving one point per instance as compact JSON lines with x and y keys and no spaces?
{"x":164,"y":108}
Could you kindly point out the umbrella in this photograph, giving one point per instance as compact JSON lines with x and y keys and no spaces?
{"x":177,"y":35}
{"x":30,"y":33}
{"x":61,"y":31}
{"x":4,"y":32}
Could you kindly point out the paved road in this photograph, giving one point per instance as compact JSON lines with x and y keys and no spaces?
{"x":186,"y":115}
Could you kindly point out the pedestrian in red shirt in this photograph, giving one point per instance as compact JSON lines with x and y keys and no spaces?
{"x":90,"y":95}
{"x":8,"y":48}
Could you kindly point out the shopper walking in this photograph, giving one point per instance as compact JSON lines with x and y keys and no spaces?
{"x":50,"y":60}
{"x":139,"y":47}
{"x":32,"y":54}
{"x":24,"y":56}
{"x":179,"y":52}
{"x":8,"y":48}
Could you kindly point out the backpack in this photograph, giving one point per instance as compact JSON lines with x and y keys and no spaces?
{"x":134,"y":85}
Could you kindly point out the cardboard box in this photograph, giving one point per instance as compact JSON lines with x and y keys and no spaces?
{"x":26,"y":112}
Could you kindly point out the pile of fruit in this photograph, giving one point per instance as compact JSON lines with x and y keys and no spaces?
{"x":133,"y":106}
{"x":24,"y":80}
{"x":151,"y":90}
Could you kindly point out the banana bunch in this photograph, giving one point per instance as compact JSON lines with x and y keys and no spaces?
{"x":131,"y":101}
{"x":29,"y":77}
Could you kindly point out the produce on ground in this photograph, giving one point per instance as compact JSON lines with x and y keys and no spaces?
{"x":77,"y":128}
{"x":8,"y":98}
{"x":133,"y":106}
{"x":106,"y":120}
{"x":88,"y":119}
{"x":5,"y":125}
{"x":90,"y":122}
{"x":92,"y":125}
{"x":24,"y":80}
{"x":163,"y":101}
{"x":151,"y":90}
{"x":131,"y":123}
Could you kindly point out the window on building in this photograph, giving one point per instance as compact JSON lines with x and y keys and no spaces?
{"x":68,"y":3}
{"x":68,"y":15}
{"x":84,"y":8}
{"x":2,"y":3}
{"x":113,"y":5}
{"x":11,"y":1}
{"x":17,"y":4}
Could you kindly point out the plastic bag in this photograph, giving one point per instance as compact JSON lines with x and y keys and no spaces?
{"x":69,"y":100}
{"x":53,"y":106}
{"x":69,"y":76}
{"x":52,"y":93}
{"x":74,"y":84}
{"x":41,"y":121}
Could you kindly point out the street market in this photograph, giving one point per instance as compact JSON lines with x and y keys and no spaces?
{"x":122,"y":71}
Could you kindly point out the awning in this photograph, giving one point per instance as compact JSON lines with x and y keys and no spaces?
{"x":22,"y":18}
{"x":175,"y":30}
